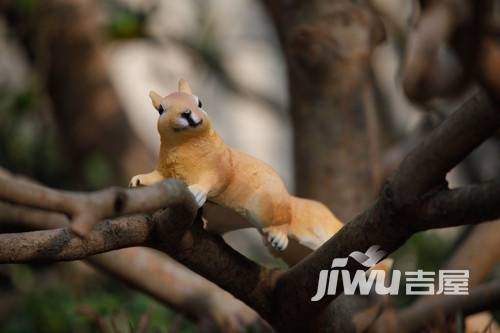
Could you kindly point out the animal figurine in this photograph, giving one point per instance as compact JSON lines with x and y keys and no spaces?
{"x":191,"y":150}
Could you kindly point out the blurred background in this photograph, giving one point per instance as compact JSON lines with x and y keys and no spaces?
{"x":75,"y":114}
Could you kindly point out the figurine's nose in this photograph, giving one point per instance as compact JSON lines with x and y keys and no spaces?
{"x":186,"y":114}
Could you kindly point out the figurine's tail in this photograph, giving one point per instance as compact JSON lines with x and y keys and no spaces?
{"x":312,"y":222}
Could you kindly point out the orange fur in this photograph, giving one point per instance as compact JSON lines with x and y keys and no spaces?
{"x":192,"y":151}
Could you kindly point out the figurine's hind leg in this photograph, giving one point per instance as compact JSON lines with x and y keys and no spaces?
{"x":277,"y":236}
{"x":272,"y":212}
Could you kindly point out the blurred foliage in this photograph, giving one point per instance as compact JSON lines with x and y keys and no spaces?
{"x":97,"y":171}
{"x":28,"y":139}
{"x":65,"y":308}
{"x":25,"y":6}
{"x":30,"y":144}
{"x":125,"y":22}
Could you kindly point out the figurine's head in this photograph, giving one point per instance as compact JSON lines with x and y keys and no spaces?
{"x":181,"y":113}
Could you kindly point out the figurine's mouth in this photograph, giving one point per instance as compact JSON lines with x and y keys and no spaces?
{"x":187,"y":121}
{"x":192,"y":123}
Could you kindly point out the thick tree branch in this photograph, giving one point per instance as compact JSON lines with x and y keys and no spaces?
{"x":61,"y":244}
{"x":210,"y":256}
{"x":86,"y":209}
{"x":427,"y":165}
{"x":473,"y":204}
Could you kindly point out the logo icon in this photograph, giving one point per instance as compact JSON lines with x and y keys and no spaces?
{"x":450,"y":282}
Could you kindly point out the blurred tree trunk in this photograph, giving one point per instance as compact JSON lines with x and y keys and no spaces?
{"x":70,"y":49}
{"x":328,"y":45}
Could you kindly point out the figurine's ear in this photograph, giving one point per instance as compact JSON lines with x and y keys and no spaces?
{"x":156,"y":99}
{"x":184,"y":87}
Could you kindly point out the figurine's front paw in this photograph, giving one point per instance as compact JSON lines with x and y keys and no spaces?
{"x":199,"y":195}
{"x":277,"y":238}
{"x":136,"y":181}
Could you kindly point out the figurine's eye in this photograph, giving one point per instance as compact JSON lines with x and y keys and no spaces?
{"x":199,"y":103}
{"x":161,"y":109}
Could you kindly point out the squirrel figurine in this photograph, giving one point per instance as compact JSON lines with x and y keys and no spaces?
{"x":192,"y":151}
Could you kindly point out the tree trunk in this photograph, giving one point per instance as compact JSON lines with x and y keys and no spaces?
{"x":327,"y":46}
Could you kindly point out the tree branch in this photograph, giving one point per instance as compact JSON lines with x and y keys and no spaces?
{"x":427,"y":165}
{"x":471,"y":254}
{"x":211,"y":257}
{"x":86,"y":209}
{"x":62,"y":245}
{"x":35,"y":218}
{"x":470,"y":204}
{"x":444,"y":48}
{"x":484,"y":297}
